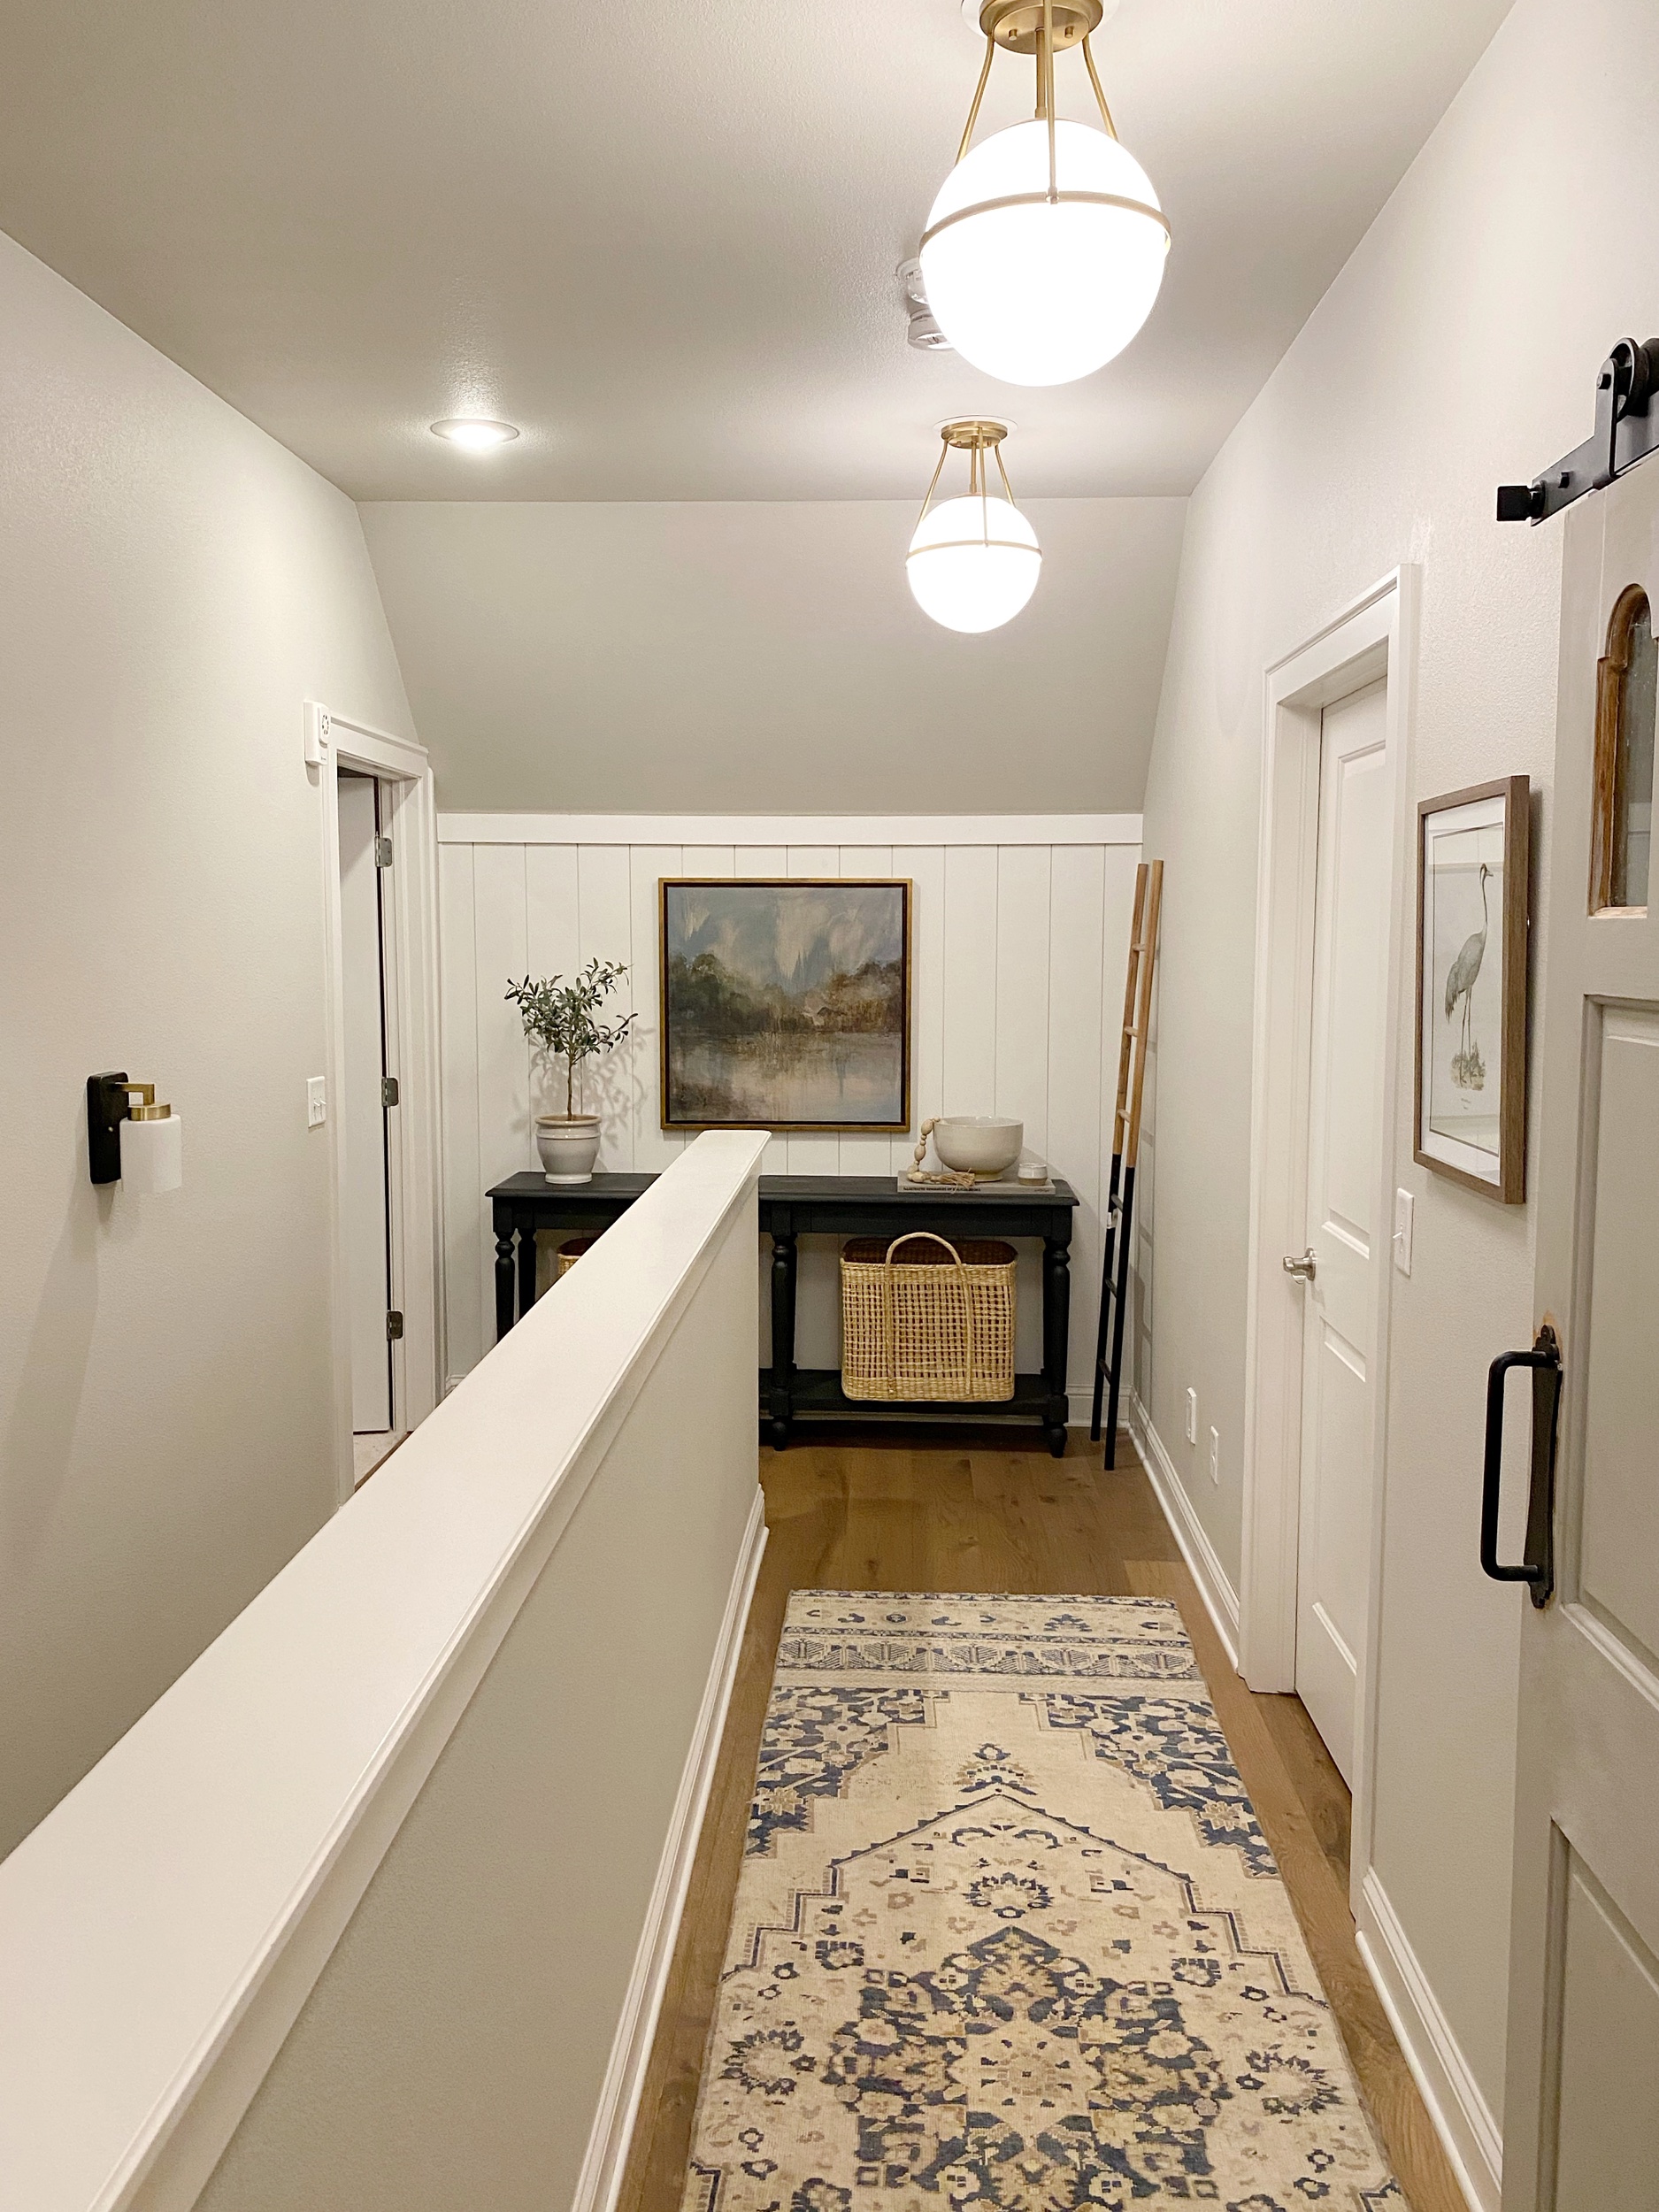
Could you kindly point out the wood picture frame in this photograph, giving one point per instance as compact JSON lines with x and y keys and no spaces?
{"x":1473,"y":869}
{"x":808,"y":1003}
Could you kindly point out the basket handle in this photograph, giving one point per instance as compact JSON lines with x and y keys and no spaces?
{"x":916,"y":1236}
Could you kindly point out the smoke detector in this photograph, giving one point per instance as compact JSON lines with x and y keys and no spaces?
{"x":925,"y":333}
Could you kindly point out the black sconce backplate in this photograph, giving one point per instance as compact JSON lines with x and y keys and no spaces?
{"x":107,"y":1104}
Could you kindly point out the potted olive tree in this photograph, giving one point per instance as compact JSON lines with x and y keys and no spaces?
{"x":560,"y":1018}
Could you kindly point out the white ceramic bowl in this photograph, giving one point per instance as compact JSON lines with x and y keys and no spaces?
{"x":984,"y":1143}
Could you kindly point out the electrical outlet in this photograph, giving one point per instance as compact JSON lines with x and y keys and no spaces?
{"x":316,"y":1101}
{"x":1191,"y":1416}
{"x":1403,"y":1203}
{"x":1215,"y":1455}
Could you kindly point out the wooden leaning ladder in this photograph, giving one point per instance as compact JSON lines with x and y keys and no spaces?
{"x":1120,"y":1196}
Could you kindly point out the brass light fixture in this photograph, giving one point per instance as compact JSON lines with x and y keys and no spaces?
{"x":974,"y":560}
{"x":131,"y":1139}
{"x":1045,"y":248}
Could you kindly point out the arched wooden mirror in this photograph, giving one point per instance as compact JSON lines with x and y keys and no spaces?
{"x":1627,"y":695}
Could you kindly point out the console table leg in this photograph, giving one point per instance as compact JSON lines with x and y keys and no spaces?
{"x":780,"y":1393}
{"x":526,"y":1266}
{"x":1056,"y":1325}
{"x":504,"y":1276}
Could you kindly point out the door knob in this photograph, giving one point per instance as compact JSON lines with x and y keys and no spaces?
{"x":1304,"y":1267}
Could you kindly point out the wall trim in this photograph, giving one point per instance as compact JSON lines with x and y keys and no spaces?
{"x":1221,"y":1600}
{"x":789,"y":829}
{"x":1374,"y":637}
{"x":1463,"y":2118}
{"x":411,"y":1008}
{"x":605,"y":2162}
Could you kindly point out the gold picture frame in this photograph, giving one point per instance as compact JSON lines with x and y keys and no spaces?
{"x":777,"y":1015}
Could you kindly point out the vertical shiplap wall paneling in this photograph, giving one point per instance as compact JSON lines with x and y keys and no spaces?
{"x":504,"y":1141}
{"x":968,"y":1075}
{"x":552,"y":905}
{"x":553,"y":947}
{"x":1018,"y":959}
{"x":1020,"y":1042}
{"x":654,"y":1146}
{"x":760,"y":861}
{"x":1022,"y":990}
{"x":814,"y":1155}
{"x":605,"y":917}
{"x":1077,"y":998}
{"x":866,"y":1155}
{"x":465,"y":1341}
{"x":924,"y":865}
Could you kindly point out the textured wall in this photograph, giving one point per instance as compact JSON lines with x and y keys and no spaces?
{"x":173,"y":585}
{"x":1458,"y":348}
{"x":724,"y":657}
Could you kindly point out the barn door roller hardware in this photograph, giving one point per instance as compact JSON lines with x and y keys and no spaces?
{"x":1626,"y":431}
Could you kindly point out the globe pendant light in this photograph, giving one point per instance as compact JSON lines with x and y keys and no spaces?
{"x":973,"y":562}
{"x":1045,"y":249}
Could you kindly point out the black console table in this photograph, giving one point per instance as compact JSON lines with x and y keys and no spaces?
{"x":793,"y":1206}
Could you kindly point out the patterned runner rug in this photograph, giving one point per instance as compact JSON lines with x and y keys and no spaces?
{"x":1008,"y":1935}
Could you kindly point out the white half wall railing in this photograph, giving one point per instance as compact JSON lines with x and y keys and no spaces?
{"x":374,"y":1908}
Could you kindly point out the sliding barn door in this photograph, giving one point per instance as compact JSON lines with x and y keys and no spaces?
{"x":1581,"y":2121}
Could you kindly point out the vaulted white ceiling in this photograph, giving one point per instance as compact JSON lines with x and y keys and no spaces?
{"x":661,"y":237}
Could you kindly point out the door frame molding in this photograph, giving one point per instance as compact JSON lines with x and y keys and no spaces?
{"x":335,"y":741}
{"x":1373,"y":638}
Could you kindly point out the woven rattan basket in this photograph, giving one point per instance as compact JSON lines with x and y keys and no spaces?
{"x":937,"y":1325}
{"x":570,"y":1251}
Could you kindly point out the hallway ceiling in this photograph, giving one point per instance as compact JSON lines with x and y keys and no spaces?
{"x":662,"y":238}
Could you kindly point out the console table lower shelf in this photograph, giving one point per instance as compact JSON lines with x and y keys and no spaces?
{"x":793,"y":1206}
{"x":816,"y":1393}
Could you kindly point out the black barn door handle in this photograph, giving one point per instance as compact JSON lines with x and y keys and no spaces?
{"x":1537,"y":1568}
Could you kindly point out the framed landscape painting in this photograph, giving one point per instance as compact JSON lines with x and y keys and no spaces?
{"x":1472,"y":866}
{"x":786,"y":1003}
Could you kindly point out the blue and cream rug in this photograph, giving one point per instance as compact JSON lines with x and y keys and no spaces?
{"x":1008,"y":1935}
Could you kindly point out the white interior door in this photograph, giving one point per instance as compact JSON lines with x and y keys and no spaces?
{"x":1581,"y":2112}
{"x":1340,"y":1310}
{"x":361,"y":1111}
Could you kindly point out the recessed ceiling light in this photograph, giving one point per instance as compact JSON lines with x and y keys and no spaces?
{"x":474,"y":433}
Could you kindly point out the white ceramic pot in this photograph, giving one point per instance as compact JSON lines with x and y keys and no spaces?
{"x":981,"y":1144}
{"x":568,"y":1147}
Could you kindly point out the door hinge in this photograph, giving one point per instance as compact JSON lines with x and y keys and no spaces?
{"x":382,"y":852}
{"x":393,"y":1327}
{"x":389,"y":1090}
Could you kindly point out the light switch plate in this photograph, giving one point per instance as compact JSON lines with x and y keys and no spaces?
{"x":1191,"y":1416}
{"x":316,"y":1101}
{"x":1403,"y":1203}
{"x":1215,"y":1455}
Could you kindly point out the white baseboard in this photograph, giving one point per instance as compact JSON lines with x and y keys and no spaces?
{"x":1221,"y":1599}
{"x":606,"y":2155}
{"x":1463,"y":2118}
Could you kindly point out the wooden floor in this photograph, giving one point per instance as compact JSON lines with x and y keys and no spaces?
{"x":883,"y":1510}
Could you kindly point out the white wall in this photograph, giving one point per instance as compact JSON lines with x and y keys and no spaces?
{"x":173,"y":585}
{"x":725,"y":656}
{"x":1020,"y":932}
{"x":1457,"y":350}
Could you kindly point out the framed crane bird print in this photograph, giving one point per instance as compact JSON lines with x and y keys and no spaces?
{"x":1473,"y":871}
{"x":786,"y":1003}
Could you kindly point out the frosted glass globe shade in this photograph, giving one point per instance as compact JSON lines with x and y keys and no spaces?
{"x":1044,"y":292}
{"x":961,"y":579}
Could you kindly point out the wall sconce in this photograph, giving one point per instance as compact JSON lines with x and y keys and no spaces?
{"x":149,"y":1157}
